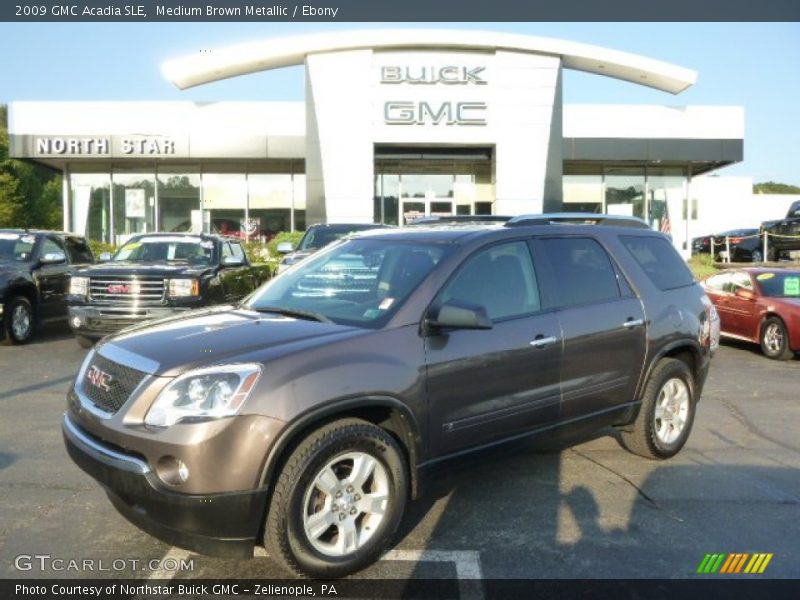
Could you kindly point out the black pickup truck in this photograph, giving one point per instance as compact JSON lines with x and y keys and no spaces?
{"x":158,"y":275}
{"x":784,"y":235}
{"x":34,"y":273}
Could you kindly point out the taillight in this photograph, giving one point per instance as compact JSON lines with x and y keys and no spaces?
{"x":735,"y":240}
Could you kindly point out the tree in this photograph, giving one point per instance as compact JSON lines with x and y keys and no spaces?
{"x":30,"y":195}
{"x":770,"y":187}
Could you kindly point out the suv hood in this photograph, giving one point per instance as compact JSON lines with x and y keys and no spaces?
{"x":124,"y":268}
{"x":218,"y":335}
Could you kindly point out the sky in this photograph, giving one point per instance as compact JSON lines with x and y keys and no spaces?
{"x":754,"y":65}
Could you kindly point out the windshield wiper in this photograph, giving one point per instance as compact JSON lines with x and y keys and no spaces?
{"x":308,"y":315}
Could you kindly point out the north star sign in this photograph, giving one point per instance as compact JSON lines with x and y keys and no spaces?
{"x":404,"y":112}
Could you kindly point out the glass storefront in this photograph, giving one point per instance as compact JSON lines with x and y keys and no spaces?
{"x":134,"y":203}
{"x":118,"y":203}
{"x":90,"y":212}
{"x":408,"y":188}
{"x":179,"y":200}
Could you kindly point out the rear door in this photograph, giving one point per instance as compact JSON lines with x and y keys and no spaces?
{"x":53,"y":280}
{"x":484,"y":385}
{"x":602,"y":322}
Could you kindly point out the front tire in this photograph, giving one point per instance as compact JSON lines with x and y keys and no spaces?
{"x":18,"y":321}
{"x":775,"y":340}
{"x":338,"y":500}
{"x":667,"y":412}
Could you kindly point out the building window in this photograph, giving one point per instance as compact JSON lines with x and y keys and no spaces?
{"x":179,"y":200}
{"x":134,"y":201}
{"x":625,"y":191}
{"x":583,"y":193}
{"x":270,"y":196}
{"x":224,"y":202}
{"x":90,"y":206}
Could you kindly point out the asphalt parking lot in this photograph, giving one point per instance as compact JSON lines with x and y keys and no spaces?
{"x":543,"y":511}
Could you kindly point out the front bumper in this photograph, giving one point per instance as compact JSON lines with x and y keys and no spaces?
{"x":98,"y":321}
{"x":224,"y":524}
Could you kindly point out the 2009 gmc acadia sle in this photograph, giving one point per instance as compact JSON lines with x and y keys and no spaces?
{"x":304,"y":417}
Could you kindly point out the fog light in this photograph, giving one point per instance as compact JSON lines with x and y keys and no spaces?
{"x":172,"y":471}
{"x":76,"y":322}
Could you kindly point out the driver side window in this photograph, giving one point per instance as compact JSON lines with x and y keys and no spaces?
{"x":500,"y":278}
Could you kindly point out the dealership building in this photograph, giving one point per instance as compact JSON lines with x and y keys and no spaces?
{"x":395,"y":124}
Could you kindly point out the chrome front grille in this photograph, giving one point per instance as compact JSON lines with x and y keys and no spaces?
{"x":109,"y":384}
{"x":140,"y":291}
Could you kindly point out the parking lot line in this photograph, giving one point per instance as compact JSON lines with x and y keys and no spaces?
{"x":173,"y":554}
{"x":468,"y":562}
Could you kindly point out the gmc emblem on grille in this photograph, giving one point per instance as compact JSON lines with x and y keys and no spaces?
{"x":119,"y":288}
{"x":99,"y":379}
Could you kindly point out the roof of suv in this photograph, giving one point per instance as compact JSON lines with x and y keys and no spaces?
{"x":453,"y":232}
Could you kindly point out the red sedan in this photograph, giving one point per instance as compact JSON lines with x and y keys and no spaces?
{"x":761,"y":306}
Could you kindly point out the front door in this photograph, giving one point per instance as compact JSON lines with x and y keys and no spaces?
{"x":484,"y":385}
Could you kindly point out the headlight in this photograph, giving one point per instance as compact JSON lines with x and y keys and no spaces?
{"x":180,"y":288}
{"x":204,"y":394}
{"x":79,"y":286}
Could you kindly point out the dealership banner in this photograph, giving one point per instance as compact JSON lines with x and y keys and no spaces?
{"x":407,"y":11}
{"x":389,"y":589}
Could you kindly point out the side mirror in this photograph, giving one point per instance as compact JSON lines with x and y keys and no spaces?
{"x":104,"y":257}
{"x":285,"y":248}
{"x":458,"y":314}
{"x":232,"y":261}
{"x":54,"y":258}
{"x":744,"y":293}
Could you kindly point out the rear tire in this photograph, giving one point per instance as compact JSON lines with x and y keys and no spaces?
{"x":338,"y":500}
{"x":756,"y":257}
{"x":775,"y":339}
{"x":18,"y":321}
{"x":667,"y":412}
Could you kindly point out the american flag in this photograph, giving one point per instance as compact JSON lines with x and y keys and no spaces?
{"x":665,"y":224}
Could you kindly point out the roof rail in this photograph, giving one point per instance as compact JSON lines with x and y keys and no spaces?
{"x":578,"y":218}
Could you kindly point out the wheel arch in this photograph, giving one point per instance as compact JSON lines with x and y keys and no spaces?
{"x":386,"y":412}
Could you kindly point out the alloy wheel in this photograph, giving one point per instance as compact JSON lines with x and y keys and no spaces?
{"x":672,"y":410}
{"x":345,"y":503}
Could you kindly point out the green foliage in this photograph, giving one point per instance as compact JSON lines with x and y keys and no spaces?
{"x":702,"y":265}
{"x":99,"y":247}
{"x":30,"y":195}
{"x":257,"y":252}
{"x":770,"y":187}
{"x":293,"y":237}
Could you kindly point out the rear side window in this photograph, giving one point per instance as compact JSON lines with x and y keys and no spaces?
{"x":582,"y":269}
{"x":659,"y":260}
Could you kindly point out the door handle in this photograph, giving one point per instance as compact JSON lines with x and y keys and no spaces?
{"x":541,"y":342}
{"x":631,"y":323}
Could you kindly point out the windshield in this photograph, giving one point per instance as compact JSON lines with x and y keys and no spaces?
{"x":16,"y":247}
{"x":191,"y":250}
{"x":357,"y":282}
{"x":780,"y":284}
{"x":320,"y":237}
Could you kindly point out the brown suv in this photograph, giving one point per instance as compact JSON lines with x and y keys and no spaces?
{"x":305,"y":417}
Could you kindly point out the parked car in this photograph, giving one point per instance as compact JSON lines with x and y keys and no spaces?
{"x":745,"y":245}
{"x":784,"y":235}
{"x":761,"y":306}
{"x":314,"y":417}
{"x":317,"y":237}
{"x":157,"y":275}
{"x":34,"y":272}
